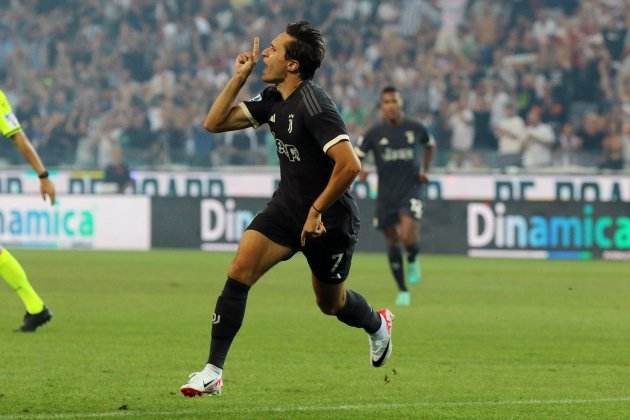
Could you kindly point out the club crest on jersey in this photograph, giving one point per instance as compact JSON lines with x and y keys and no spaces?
{"x":290,"y":129}
{"x":411,"y":138}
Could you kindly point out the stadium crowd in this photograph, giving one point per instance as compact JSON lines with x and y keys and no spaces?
{"x":532,"y":83}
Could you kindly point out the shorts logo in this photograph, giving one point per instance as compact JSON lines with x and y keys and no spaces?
{"x":290,"y":129}
{"x":416,"y":207}
{"x":290,"y":151}
{"x":216,"y":318}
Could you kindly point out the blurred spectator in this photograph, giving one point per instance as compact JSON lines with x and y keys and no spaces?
{"x":462,"y":132}
{"x":625,"y":142}
{"x":481,"y":103}
{"x":592,"y":133}
{"x":117,"y":172}
{"x":510,"y":132}
{"x":613,"y":149}
{"x":570,"y":144}
{"x":538,"y":141}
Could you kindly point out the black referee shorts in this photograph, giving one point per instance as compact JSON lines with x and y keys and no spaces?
{"x":329,"y":256}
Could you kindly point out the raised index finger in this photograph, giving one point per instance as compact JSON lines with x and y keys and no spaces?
{"x":255,"y":48}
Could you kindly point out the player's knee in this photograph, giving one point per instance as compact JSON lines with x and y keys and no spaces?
{"x":406,"y":239}
{"x":392,"y":240}
{"x":328,"y":307}
{"x":243,"y":271}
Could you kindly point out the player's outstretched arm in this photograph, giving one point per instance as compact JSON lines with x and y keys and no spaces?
{"x":223,"y":115}
{"x":46,"y":187}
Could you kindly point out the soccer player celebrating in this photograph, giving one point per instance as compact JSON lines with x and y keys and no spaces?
{"x":396,"y":143}
{"x":311,"y":211}
{"x":10,"y":269}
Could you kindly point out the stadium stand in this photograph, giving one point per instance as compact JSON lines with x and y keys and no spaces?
{"x":139,"y":76}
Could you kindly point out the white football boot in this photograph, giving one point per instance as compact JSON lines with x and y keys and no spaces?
{"x":207,"y":382}
{"x":381,"y":341}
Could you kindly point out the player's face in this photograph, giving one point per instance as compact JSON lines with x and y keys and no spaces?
{"x":276,"y":64}
{"x":391,"y":105}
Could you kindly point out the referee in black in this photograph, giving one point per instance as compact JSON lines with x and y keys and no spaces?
{"x":310,"y":212}
{"x":403,"y":152}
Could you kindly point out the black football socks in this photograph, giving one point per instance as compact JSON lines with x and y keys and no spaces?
{"x":226,"y":320}
{"x":395,"y":257}
{"x":412,"y":252}
{"x":357,"y":313}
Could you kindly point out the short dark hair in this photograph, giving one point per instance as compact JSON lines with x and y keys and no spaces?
{"x":308,"y":49}
{"x":389,"y":89}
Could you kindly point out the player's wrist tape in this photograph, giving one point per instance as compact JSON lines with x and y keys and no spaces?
{"x":43,"y":175}
{"x":316,"y":209}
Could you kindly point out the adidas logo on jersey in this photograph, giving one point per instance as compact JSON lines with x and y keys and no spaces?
{"x":272,"y":118}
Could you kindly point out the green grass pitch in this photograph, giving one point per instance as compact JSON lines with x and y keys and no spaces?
{"x":482,"y":339}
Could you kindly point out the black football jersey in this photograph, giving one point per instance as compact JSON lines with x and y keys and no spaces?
{"x":304,"y":126}
{"x":397,"y":150}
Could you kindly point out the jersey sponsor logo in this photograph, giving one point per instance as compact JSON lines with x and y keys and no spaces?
{"x":290,"y":129}
{"x":383,"y":141}
{"x":411,"y":138}
{"x":389,"y":154}
{"x":290,"y":151}
{"x":272,"y":118}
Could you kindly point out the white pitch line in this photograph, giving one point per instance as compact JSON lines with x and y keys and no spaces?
{"x":313,"y":408}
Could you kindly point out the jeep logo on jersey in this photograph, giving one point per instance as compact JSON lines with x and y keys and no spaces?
{"x":390,"y":154}
{"x":290,"y":151}
{"x":290,"y":129}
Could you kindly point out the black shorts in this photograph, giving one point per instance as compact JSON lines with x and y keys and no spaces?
{"x":388,"y":213}
{"x":329,"y":256}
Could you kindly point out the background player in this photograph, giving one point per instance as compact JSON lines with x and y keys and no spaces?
{"x":311,"y":211}
{"x":396,"y":143}
{"x":10,"y":269}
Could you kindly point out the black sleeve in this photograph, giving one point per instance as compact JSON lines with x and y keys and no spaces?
{"x":323,"y":122}
{"x":258,"y":109}
{"x":365,"y":144}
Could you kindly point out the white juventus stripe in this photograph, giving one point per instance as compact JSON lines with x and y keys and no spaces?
{"x":248,"y":115}
{"x":331,"y":143}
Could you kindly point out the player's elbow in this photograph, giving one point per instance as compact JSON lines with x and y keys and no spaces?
{"x":353,"y":168}
{"x":212,"y":125}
